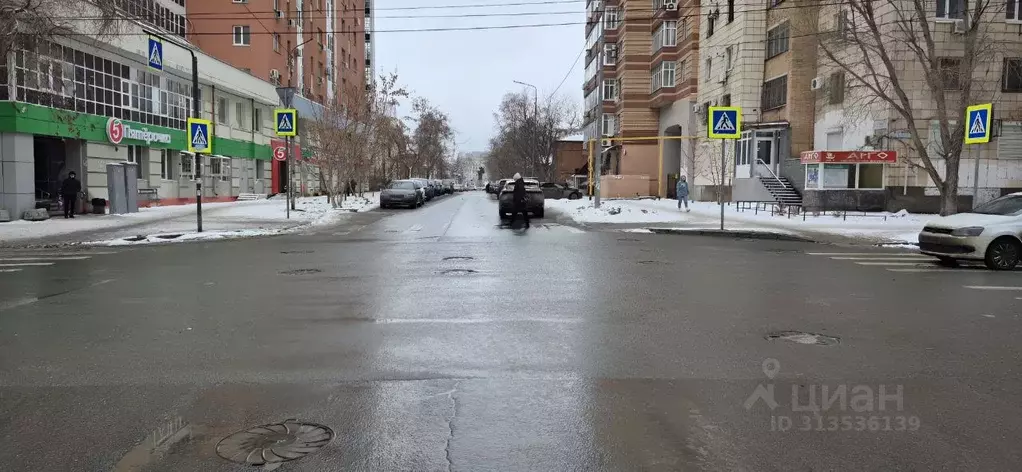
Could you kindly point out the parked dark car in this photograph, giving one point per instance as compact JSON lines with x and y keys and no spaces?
{"x":533,"y":205}
{"x":427,"y":188}
{"x":500,"y":185}
{"x":406,"y":193}
{"x":556,"y":191}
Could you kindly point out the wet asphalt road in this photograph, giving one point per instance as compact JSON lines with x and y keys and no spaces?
{"x":433,"y":340}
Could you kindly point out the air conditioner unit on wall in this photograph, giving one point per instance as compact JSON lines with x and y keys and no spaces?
{"x":962,"y":26}
{"x":606,"y":142}
{"x":816,"y":83}
{"x":722,"y":78}
{"x":279,"y":14}
{"x":670,"y":6}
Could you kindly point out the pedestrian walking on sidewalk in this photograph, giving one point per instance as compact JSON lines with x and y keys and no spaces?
{"x":69,"y":191}
{"x":681,"y":188}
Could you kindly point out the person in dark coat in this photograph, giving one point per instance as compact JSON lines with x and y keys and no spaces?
{"x":69,"y":190}
{"x":518,"y":197}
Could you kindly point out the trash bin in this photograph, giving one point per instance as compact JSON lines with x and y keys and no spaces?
{"x":99,"y":206}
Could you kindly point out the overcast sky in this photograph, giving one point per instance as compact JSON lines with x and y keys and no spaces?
{"x":465,"y":73}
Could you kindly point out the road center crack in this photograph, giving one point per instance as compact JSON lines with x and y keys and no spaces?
{"x":450,"y":423}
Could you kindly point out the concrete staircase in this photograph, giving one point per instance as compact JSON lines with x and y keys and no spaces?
{"x":782,"y":190}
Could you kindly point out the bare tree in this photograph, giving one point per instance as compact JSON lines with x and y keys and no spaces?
{"x":526,"y":139}
{"x":719,"y":176}
{"x":431,"y":139}
{"x":904,"y":68}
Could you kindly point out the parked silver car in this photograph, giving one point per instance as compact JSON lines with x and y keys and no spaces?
{"x":555,"y":191}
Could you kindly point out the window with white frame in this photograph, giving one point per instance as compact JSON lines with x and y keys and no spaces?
{"x":221,"y":110}
{"x":777,"y":40}
{"x":241,"y":115}
{"x":950,"y":9}
{"x":607,"y":125}
{"x":220,"y":168}
{"x":1013,"y":11}
{"x":242,"y":35}
{"x":666,"y":35}
{"x":609,"y":89}
{"x":662,"y":75}
{"x":609,"y":54}
{"x":187,"y":167}
{"x":168,"y":163}
{"x":610,"y":17}
{"x":140,"y":155}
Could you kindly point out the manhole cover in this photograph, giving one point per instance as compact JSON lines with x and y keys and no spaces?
{"x":458,"y":258}
{"x":274,"y":443}
{"x":628,"y":239}
{"x":784,"y":251}
{"x":458,"y":271}
{"x":296,"y":252}
{"x":301,"y":271}
{"x":653,"y":262}
{"x":799,"y":337}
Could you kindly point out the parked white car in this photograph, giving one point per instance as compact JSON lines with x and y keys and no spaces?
{"x":991,"y":233}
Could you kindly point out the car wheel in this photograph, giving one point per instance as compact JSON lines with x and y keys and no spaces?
{"x":947,"y":261}
{"x":1003,"y":254}
{"x":575,"y":196}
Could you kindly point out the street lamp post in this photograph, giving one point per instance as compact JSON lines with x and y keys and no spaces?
{"x":195,"y":114}
{"x":535,"y":108}
{"x":288,"y":141}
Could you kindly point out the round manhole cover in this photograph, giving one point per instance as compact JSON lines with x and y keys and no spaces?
{"x":458,"y":258}
{"x":301,"y":271}
{"x":274,"y":443}
{"x":799,"y":337}
{"x":458,"y":271}
{"x":629,"y":239}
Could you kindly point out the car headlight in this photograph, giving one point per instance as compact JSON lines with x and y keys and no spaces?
{"x":970,"y":231}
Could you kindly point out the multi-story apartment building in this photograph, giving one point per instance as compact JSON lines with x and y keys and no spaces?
{"x":69,"y":105}
{"x":321,"y":47}
{"x":641,"y":63}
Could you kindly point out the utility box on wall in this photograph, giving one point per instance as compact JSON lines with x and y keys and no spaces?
{"x":115,"y":189}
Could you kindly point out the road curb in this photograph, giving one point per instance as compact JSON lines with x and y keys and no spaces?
{"x":737,"y":233}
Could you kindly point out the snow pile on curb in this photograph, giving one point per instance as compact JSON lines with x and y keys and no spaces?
{"x":182,"y":237}
{"x":613,"y":211}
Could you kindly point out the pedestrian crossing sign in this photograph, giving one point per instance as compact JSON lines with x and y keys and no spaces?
{"x":977,"y":123}
{"x":155,"y":54}
{"x":285,"y":121}
{"x":724,"y":123}
{"x":200,"y":138}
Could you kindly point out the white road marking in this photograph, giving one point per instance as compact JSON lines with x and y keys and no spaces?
{"x":861,"y":253}
{"x":49,"y":258}
{"x":891,"y":263}
{"x":17,"y":303}
{"x":41,"y":254}
{"x":991,"y":287}
{"x":923,"y":269}
{"x":10,"y":270}
{"x":27,"y":264}
{"x":891,"y":258}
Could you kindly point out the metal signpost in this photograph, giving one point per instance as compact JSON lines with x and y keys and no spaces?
{"x":977,"y":131}
{"x":285,"y":124}
{"x":200,"y":141}
{"x":723,"y":123}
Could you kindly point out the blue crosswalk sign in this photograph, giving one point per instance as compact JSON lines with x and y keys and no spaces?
{"x":200,"y":139}
{"x":155,"y":54}
{"x":285,"y":121}
{"x":724,"y":123}
{"x":977,"y":123}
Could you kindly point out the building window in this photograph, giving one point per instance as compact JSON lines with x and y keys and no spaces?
{"x":240,"y":115}
{"x":683,"y":29}
{"x":837,"y":87}
{"x":608,"y":124}
{"x":729,"y":58}
{"x":257,"y":119}
{"x":609,"y":89}
{"x":242,"y":35}
{"x":682,"y":69}
{"x":609,"y":54}
{"x":610,"y":17}
{"x":221,"y":110}
{"x":1011,"y":80}
{"x":168,"y":159}
{"x":239,"y":1}
{"x":775,"y":93}
{"x":950,"y":71}
{"x":777,"y":40}
{"x":666,"y":35}
{"x":950,"y":9}
{"x":188,"y":166}
{"x":725,"y":101}
{"x":707,"y":71}
{"x":730,"y":11}
{"x":276,"y":42}
{"x":140,"y":155}
{"x":845,"y":176}
{"x":662,"y":75}
{"x":710,"y":20}
{"x":220,"y":168}
{"x":1013,"y":11}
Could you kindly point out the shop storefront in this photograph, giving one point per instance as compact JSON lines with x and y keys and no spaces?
{"x":846,"y":180}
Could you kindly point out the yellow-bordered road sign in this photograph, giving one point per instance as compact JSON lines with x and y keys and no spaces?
{"x":724,"y":123}
{"x":200,"y":136}
{"x":285,"y":121}
{"x":977,"y":123}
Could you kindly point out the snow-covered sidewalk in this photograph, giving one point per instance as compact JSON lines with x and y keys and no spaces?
{"x":219,"y":221}
{"x":901,"y":227}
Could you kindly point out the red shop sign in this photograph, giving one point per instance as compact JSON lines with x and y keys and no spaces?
{"x":278,"y":149}
{"x":845,"y":157}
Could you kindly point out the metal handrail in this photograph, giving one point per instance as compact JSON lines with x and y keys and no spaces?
{"x":760,"y":161}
